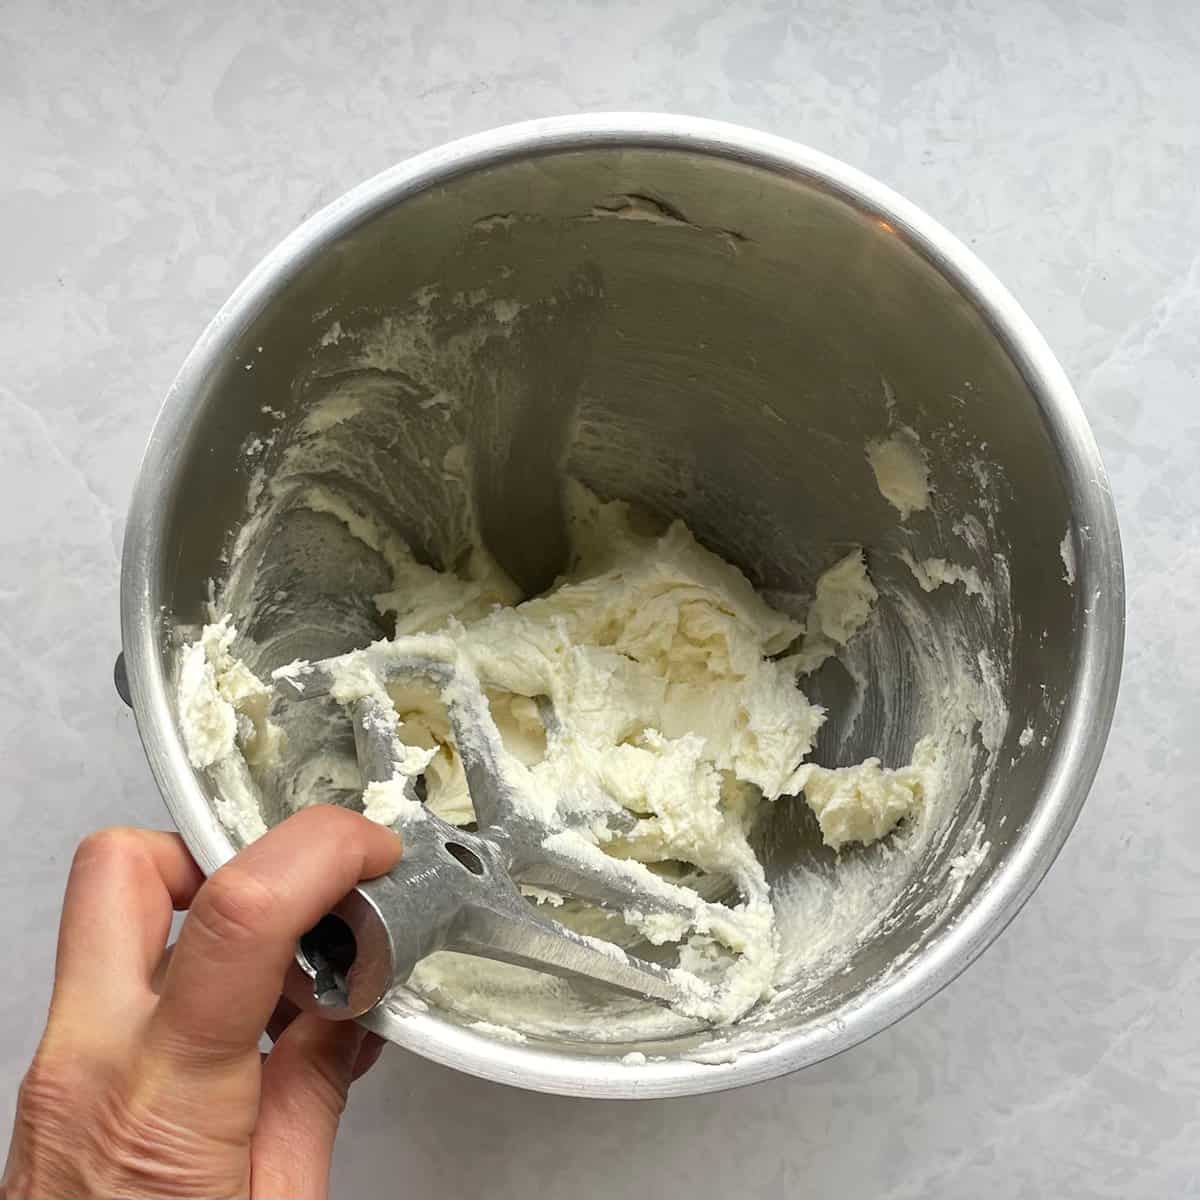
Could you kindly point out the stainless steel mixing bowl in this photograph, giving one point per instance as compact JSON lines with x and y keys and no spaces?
{"x":752,"y":313}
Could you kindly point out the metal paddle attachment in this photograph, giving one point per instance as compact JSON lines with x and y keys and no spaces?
{"x":458,"y":890}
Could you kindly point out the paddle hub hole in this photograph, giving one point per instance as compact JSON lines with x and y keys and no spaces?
{"x":465,"y":857}
{"x":330,"y":949}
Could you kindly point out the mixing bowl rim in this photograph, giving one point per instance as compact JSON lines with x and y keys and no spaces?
{"x":1100,"y":612}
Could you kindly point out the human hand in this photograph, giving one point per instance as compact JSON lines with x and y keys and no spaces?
{"x":148,"y":1082}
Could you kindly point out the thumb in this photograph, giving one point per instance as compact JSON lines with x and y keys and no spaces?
{"x":305,"y":1081}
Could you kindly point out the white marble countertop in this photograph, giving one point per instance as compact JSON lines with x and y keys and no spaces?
{"x":154,"y":151}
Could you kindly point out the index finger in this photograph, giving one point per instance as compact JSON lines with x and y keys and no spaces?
{"x":237,"y":942}
{"x":123,"y":886}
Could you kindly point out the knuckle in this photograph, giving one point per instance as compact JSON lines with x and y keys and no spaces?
{"x":55,"y":1099}
{"x":115,"y":844}
{"x":234,"y":906}
{"x":89,"y":1129}
{"x":140,"y":1149}
{"x":134,"y":1139}
{"x":47,"y":1088}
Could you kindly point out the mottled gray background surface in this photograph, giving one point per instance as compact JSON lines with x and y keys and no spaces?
{"x":152,"y":152}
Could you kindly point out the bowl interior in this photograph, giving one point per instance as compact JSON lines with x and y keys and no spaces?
{"x":718,"y":342}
